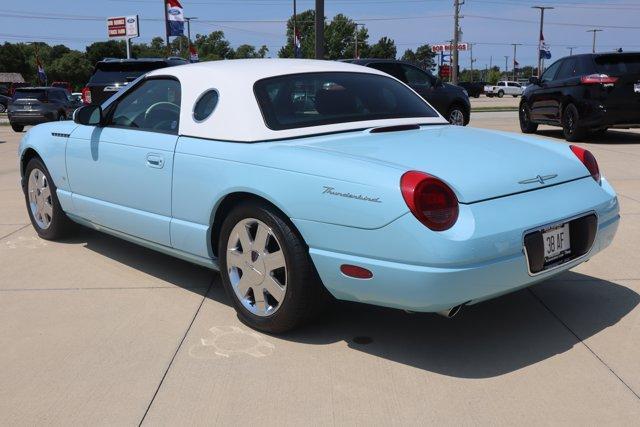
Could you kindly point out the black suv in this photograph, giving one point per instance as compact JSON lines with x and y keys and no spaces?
{"x":585,"y":95}
{"x":474,"y":89}
{"x":35,"y":105}
{"x":450,"y":101}
{"x":110,"y":75}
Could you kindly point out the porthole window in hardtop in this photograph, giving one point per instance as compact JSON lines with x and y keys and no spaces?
{"x":205,"y":105}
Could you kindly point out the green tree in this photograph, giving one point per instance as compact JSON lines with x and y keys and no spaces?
{"x":409,"y":56}
{"x":340,"y":38}
{"x":426,"y":57}
{"x":72,"y":67}
{"x":263,"y":51}
{"x":14,"y":60}
{"x":213,"y":46}
{"x":110,"y":49}
{"x":385,"y":48}
{"x":305,"y":25}
{"x":249,"y":51}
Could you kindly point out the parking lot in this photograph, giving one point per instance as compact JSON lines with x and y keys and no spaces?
{"x":95,"y":330}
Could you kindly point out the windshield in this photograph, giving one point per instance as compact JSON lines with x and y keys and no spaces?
{"x":618,"y":64}
{"x":39,"y":94}
{"x":120,"y":72}
{"x":315,"y":99}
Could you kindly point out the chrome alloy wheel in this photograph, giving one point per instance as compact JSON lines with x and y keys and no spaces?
{"x":256,"y":267}
{"x":456,"y":117}
{"x":40,"y":201}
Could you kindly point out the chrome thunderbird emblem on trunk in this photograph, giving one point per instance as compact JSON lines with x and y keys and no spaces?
{"x":540,"y":178}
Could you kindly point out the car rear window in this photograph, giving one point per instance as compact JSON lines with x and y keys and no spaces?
{"x":39,"y":94}
{"x":315,"y":99}
{"x":119,"y":72}
{"x":618,"y":64}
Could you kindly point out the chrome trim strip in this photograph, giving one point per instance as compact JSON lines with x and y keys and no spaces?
{"x":552,"y":225}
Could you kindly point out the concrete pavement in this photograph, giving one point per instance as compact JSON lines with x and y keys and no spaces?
{"x":95,"y":330}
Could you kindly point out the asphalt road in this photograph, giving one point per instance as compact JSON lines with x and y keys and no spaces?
{"x":97,"y":331}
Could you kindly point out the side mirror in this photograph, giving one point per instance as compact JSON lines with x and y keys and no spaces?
{"x":534,"y":80}
{"x":90,"y":115}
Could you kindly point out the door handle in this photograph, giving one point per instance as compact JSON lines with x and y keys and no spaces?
{"x":155,"y":161}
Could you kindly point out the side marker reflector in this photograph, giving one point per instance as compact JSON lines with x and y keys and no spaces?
{"x":355,"y":271}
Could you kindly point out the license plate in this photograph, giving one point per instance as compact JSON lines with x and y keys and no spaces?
{"x":557,"y":242}
{"x":27,"y":107}
{"x":636,"y":87}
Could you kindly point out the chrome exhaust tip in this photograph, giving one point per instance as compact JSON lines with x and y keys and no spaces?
{"x":451,"y":312}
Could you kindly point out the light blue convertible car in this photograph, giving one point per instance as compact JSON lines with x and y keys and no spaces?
{"x":296,"y":177}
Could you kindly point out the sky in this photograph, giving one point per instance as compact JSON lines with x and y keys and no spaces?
{"x":491,"y":25}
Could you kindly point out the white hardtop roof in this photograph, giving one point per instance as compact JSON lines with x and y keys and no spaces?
{"x":237,"y":116}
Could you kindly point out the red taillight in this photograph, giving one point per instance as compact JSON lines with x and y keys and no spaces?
{"x":588,"y":160}
{"x":355,"y":271}
{"x":594,"y":79}
{"x":86,"y":95}
{"x":430,"y":200}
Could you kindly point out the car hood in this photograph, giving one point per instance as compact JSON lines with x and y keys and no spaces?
{"x":478,"y":164}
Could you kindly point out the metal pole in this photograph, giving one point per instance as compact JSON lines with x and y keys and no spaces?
{"x":456,"y":33}
{"x":571,"y":49}
{"x":319,"y":29}
{"x":166,"y":24}
{"x":491,"y":62}
{"x":471,"y":60}
{"x":506,"y":66}
{"x":515,"y":46}
{"x":295,"y":26}
{"x":128,"y":40}
{"x":594,"y":31}
{"x":542,"y":9}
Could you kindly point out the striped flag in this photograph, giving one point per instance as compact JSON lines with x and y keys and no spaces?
{"x":175,"y":18}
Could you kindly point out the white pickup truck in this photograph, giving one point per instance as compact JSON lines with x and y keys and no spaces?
{"x":504,"y":88}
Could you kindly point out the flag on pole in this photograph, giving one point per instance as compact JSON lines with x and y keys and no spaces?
{"x":42,"y":76}
{"x":175,"y":18}
{"x":297,"y":44}
{"x":545,"y":50}
{"x":515,"y":64}
{"x":193,"y":54}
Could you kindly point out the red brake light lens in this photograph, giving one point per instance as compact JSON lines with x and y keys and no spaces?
{"x":594,"y":79}
{"x":430,"y":200}
{"x":86,"y":95}
{"x":588,"y":160}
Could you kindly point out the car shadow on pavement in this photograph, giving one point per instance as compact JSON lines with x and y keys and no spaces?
{"x":485,"y":340}
{"x":611,"y":137}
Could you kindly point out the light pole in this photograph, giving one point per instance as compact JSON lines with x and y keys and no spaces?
{"x":571,"y":49}
{"x":542,"y":9}
{"x":594,"y":31}
{"x":295,"y":26}
{"x":471,"y":60}
{"x":515,"y":47}
{"x":188,"y":19}
{"x":456,"y":39}
{"x":506,"y":67}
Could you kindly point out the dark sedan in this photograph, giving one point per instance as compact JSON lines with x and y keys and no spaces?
{"x":450,"y":101}
{"x":585,"y":95}
{"x":35,"y":105}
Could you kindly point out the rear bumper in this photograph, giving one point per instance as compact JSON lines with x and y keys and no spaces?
{"x":598,"y":115}
{"x":481,"y":260}
{"x":30,"y":119}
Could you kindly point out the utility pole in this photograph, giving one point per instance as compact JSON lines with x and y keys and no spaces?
{"x":571,"y":49}
{"x":166,"y":26}
{"x":515,"y":47}
{"x":506,"y":67}
{"x":456,"y":35}
{"x":319,"y":29}
{"x":491,"y":62}
{"x":356,"y":55}
{"x":295,"y":26}
{"x":542,"y":9}
{"x":594,"y":31}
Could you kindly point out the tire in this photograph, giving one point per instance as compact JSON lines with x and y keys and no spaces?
{"x":3,"y":108}
{"x":515,"y":96}
{"x":500,"y":93}
{"x":282,"y":307}
{"x":43,"y":206}
{"x":489,"y":95}
{"x":570,"y":128}
{"x":476,"y":96}
{"x":17,"y":128}
{"x":457,"y":116}
{"x":524,"y":114}
{"x":62,"y":117}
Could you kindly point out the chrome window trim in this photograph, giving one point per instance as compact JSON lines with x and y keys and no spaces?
{"x":193,"y":111}
{"x":552,"y":225}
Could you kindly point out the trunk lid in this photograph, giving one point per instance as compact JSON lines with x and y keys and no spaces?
{"x":478,"y":164}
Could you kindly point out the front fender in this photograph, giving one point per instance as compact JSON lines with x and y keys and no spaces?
{"x":48,"y":141}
